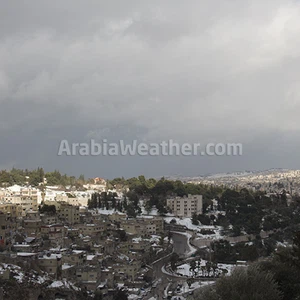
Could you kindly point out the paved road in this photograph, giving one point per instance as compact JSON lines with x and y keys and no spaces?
{"x":180,"y":247}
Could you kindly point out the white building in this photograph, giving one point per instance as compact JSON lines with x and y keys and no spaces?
{"x":27,"y":197}
{"x":186,"y":206}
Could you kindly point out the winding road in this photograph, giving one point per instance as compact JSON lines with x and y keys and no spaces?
{"x":181,"y":247}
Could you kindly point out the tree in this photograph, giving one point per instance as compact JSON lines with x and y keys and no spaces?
{"x":243,"y":284}
{"x":236,"y":230}
{"x":214,"y":267}
{"x":148,"y":206}
{"x":174,"y":260}
{"x":34,"y":179}
{"x":296,"y":250}
{"x":48,"y":209}
{"x":169,"y":237}
{"x":208,"y":267}
{"x":195,"y":219}
{"x":285,"y":274}
{"x":93,"y":202}
{"x":122,"y":235}
{"x":130,"y":211}
{"x":204,"y":219}
{"x":285,"y":269}
{"x":189,"y":282}
{"x":193,"y":266}
{"x":223,"y":251}
{"x":198,"y":264}
{"x":120,"y":295}
{"x":212,"y":219}
{"x":142,"y":179}
{"x":98,"y":295}
{"x":161,"y":241}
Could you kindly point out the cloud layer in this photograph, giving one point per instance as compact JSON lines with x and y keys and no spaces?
{"x":193,"y":72}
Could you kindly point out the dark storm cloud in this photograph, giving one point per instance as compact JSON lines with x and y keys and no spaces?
{"x":209,"y":71}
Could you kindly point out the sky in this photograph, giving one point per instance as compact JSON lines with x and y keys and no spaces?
{"x":195,"y":72}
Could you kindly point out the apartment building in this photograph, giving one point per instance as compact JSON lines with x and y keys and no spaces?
{"x":55,"y":232}
{"x":132,"y":227}
{"x":32,"y":227}
{"x":76,"y":257}
{"x":92,"y":229}
{"x":69,"y":213}
{"x":154,"y":225}
{"x":186,"y":206}
{"x":108,"y":276}
{"x":88,"y":276}
{"x":51,"y":263}
{"x":27,"y":197}
{"x":143,"y":226}
{"x":49,"y":219}
{"x":129,"y":270}
{"x":12,"y":210}
{"x":27,"y":203}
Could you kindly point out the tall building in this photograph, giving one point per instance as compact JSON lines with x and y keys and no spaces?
{"x":186,"y":206}
{"x":69,"y":213}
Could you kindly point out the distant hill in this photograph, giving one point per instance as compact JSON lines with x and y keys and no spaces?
{"x":272,"y":180}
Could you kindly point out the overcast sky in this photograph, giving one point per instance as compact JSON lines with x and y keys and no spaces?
{"x":191,"y":71}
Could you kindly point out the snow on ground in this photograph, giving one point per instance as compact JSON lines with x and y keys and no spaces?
{"x":132,"y":297}
{"x":227,"y":267}
{"x":187,"y":222}
{"x":105,"y":211}
{"x":63,"y":284}
{"x":215,"y":236}
{"x":155,"y":239}
{"x":185,"y":270}
{"x":56,"y":284}
{"x":123,"y":257}
{"x":66,"y":266}
{"x":19,"y":275}
{"x":152,"y":212}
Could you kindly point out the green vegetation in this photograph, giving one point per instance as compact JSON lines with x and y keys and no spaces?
{"x":163,"y":187}
{"x":104,"y":200}
{"x":243,"y":284}
{"x":277,"y":277}
{"x":16,"y":176}
{"x":155,"y":192}
{"x":36,"y":177}
{"x":47,"y":209}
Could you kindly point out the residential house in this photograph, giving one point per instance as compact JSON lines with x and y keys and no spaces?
{"x":51,"y":263}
